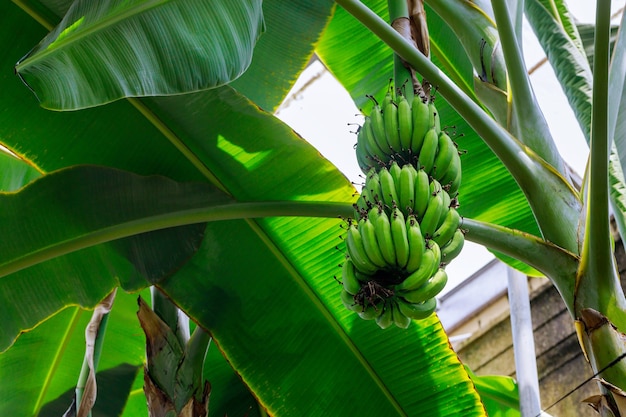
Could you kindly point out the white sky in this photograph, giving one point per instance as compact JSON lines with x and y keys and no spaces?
{"x":322,"y":111}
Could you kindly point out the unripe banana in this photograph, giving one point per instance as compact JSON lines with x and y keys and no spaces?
{"x":375,"y":154}
{"x":361,"y":157}
{"x":445,"y":153}
{"x":429,"y":150}
{"x":454,"y":247}
{"x":365,"y":200}
{"x":422,"y":193}
{"x":388,"y":188}
{"x":384,"y":239}
{"x":430,"y":262}
{"x":372,"y":183}
{"x":399,"y":236}
{"x":385,"y":318}
{"x":417,"y":244}
{"x":430,"y":221}
{"x":446,"y":208}
{"x":446,"y":231}
{"x":453,"y":189}
{"x":406,"y":189}
{"x":348,"y":301}
{"x":433,"y":117}
{"x":395,"y":171}
{"x":453,"y":174}
{"x":399,"y":319}
{"x":405,"y":123}
{"x":354,"y":244}
{"x":420,"y":117}
{"x":348,"y":278}
{"x":417,"y":311}
{"x":370,"y":243}
{"x":390,"y":117}
{"x":368,"y":312}
{"x":429,"y":290}
{"x":378,"y":129}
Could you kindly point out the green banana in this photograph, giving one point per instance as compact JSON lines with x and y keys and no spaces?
{"x":454,"y":247}
{"x":453,"y":189}
{"x":385,"y":318}
{"x":387,"y":188}
{"x":348,"y":301}
{"x":417,"y":311}
{"x":430,"y":220}
{"x":447,"y":201}
{"x":406,"y":187}
{"x":354,"y":244}
{"x":433,"y":117}
{"x":452,"y":174}
{"x":405,"y":123}
{"x":372,"y":183}
{"x":368,"y":312}
{"x":395,"y":171}
{"x":366,"y":199}
{"x":370,"y":242}
{"x":449,"y":226}
{"x":361,"y":157}
{"x":348,"y":278}
{"x":384,"y":238}
{"x":420,"y":118}
{"x":378,"y":129}
{"x":429,"y":150}
{"x":445,"y":153}
{"x":390,"y":117}
{"x":375,"y":154}
{"x":430,"y":262}
{"x":417,"y":244}
{"x":422,"y":193}
{"x":429,"y":290}
{"x":399,"y":237}
{"x":399,"y":319}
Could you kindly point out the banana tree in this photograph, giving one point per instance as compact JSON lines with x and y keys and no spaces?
{"x":218,"y":209}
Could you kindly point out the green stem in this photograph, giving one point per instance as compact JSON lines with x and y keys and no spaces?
{"x":597,"y":282}
{"x":398,"y":10}
{"x":556,"y":263}
{"x":229,"y":211}
{"x":552,"y":198}
{"x":529,"y":124}
{"x":195,"y":354}
{"x":170,"y":314}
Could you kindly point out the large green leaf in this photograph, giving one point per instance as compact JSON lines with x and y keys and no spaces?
{"x":488,"y":192}
{"x":105,"y":50}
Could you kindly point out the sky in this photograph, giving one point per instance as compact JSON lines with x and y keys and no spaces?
{"x":322,"y":113}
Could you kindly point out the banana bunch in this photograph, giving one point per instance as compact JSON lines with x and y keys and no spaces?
{"x":406,"y":229}
{"x":399,"y":130}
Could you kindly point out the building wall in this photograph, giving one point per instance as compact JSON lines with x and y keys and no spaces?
{"x":561,"y":365}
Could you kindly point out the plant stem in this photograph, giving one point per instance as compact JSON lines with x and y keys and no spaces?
{"x":170,"y":314}
{"x":597,"y":284}
{"x":399,"y":19}
{"x":529,"y":124}
{"x":556,"y":263}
